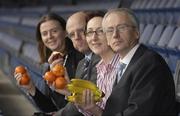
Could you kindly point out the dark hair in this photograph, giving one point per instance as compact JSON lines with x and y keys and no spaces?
{"x":44,"y":52}
{"x":91,"y":14}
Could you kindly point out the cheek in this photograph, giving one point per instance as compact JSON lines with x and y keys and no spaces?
{"x":44,"y":40}
{"x":108,"y":41}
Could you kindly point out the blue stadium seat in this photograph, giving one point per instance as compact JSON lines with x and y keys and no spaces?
{"x":156,"y":35}
{"x":166,"y":36}
{"x":147,"y":33}
{"x":174,"y":42}
{"x":141,"y":27}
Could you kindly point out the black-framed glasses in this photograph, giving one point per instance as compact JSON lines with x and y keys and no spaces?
{"x":98,"y":32}
{"x":120,"y":29}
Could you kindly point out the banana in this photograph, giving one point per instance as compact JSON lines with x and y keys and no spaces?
{"x":78,"y":98}
{"x":76,"y":89}
{"x":77,"y":86}
{"x":84,"y":84}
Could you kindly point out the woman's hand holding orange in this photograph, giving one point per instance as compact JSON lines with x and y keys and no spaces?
{"x":57,"y":79}
{"x":55,"y":58}
{"x":23,"y":80}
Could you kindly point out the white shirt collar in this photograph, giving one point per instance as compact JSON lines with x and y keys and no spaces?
{"x":129,"y":55}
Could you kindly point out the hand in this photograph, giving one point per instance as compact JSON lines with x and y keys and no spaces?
{"x":30,"y":88}
{"x":55,"y":58}
{"x":88,"y":104}
{"x":61,"y":91}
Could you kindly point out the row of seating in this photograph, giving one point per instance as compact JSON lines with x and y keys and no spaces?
{"x":155,"y":4}
{"x":164,"y":39}
{"x":158,"y":17}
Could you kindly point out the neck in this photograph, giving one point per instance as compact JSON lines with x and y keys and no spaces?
{"x":123,"y":53}
{"x":107,"y":56}
{"x":62,"y":49}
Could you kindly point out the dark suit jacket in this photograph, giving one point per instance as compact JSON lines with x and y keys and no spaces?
{"x":70,"y":109}
{"x":146,"y":88}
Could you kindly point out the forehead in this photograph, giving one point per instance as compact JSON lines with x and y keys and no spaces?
{"x":49,"y":24}
{"x":75,"y":22}
{"x":95,"y":22}
{"x":116,"y":18}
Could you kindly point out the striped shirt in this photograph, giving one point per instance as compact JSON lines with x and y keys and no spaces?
{"x":106,"y":75}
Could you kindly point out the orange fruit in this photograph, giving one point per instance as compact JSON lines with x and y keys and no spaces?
{"x":60,"y":83}
{"x":49,"y":76}
{"x":58,"y":70}
{"x":20,"y":69}
{"x":24,"y":80}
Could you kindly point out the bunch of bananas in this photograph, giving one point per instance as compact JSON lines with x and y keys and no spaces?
{"x":77,"y":86}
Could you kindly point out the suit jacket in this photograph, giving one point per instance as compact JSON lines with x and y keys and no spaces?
{"x":70,"y":109}
{"x":146,"y":88}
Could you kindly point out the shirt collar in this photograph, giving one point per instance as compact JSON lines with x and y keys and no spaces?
{"x":129,"y":55}
{"x":88,"y":56}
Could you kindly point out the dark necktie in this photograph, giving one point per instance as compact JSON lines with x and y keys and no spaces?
{"x":119,"y":72}
{"x":86,"y":66}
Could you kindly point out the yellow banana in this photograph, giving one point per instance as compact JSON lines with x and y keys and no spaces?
{"x":76,"y":89}
{"x":84,"y":84}
{"x":77,"y":86}
{"x":78,"y":98}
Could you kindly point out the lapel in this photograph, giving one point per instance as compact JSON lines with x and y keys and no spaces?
{"x":139,"y":52}
{"x":92,"y":66}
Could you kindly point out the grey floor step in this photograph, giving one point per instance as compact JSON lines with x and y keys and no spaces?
{"x":12,"y":101}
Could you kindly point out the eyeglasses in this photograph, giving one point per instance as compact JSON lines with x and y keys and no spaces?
{"x":98,"y":32}
{"x":79,"y":32}
{"x":120,"y":29}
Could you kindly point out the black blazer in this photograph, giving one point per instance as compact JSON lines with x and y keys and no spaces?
{"x":146,"y":88}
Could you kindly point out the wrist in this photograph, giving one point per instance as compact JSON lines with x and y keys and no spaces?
{"x":31,"y":90}
{"x":97,"y":111}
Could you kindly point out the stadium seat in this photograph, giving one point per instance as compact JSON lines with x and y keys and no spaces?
{"x":156,"y":35}
{"x":174,"y":42}
{"x":166,"y":36}
{"x":147,"y":33}
{"x":141,"y":27}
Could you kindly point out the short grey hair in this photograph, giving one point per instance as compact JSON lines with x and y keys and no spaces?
{"x":127,"y":11}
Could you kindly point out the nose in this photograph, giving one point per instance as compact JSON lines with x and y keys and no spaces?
{"x":49,"y":35}
{"x":76,"y":35}
{"x":94,"y":36}
{"x":115,"y":33}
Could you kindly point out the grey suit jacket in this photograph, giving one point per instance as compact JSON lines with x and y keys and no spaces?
{"x":70,"y":109}
{"x":145,"y":89}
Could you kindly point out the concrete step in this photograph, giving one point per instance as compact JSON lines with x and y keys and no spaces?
{"x":12,"y":101}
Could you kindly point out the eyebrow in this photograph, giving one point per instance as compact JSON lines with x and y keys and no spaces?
{"x":92,"y":28}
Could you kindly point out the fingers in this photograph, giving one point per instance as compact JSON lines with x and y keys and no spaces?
{"x":66,"y":76}
{"x":87,"y":97}
{"x":18,"y":78}
{"x":57,"y":61}
{"x":55,"y":55}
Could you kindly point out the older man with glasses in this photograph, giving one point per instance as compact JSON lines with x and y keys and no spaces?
{"x":145,"y":86}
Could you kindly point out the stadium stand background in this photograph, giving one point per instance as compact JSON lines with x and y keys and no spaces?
{"x":159,"y":28}
{"x":18,"y":45}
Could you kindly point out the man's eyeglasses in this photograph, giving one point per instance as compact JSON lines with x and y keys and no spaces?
{"x":98,"y":32}
{"x":120,"y":29}
{"x":79,"y":32}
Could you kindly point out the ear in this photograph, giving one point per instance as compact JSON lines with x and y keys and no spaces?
{"x":137,"y":34}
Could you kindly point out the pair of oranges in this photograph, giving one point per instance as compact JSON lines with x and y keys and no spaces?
{"x":25,"y":79}
{"x":56,"y":75}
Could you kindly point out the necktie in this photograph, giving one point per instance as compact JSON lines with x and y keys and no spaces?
{"x":86,"y":65}
{"x":119,"y":72}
